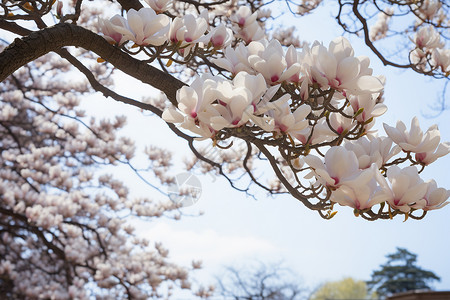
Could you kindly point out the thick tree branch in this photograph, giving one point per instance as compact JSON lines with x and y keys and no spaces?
{"x":39,"y":43}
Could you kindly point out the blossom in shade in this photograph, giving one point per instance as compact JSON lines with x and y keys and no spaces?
{"x":220,"y":36}
{"x":159,"y":6}
{"x":372,"y":150}
{"x":363,"y":196}
{"x":340,"y":167}
{"x":111,"y":29}
{"x":406,"y":188}
{"x":285,"y":120}
{"x":434,"y":198}
{"x":194,"y":104}
{"x":427,"y":37}
{"x":235,"y":60}
{"x":440,"y":58}
{"x":187,"y":30}
{"x":145,"y":27}
{"x":427,"y":158}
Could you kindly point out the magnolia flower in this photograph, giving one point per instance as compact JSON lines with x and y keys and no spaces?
{"x":220,"y":37}
{"x":363,"y":196}
{"x":428,"y":37}
{"x":234,"y":106}
{"x":285,"y":120}
{"x":187,"y":30}
{"x":434,"y":198}
{"x":145,"y":27}
{"x":250,"y":33}
{"x":270,"y":62}
{"x":381,"y":26}
{"x":406,"y":190}
{"x":235,"y":60}
{"x":367,"y":102}
{"x":440,"y":58}
{"x":372,"y":150}
{"x":336,"y":67}
{"x":429,"y":8}
{"x":110,"y":30}
{"x":427,"y":158}
{"x":243,"y":16}
{"x":414,"y":140}
{"x":194,"y":102}
{"x":341,"y":167}
{"x":159,"y":6}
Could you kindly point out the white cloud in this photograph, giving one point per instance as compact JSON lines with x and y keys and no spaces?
{"x":207,"y":245}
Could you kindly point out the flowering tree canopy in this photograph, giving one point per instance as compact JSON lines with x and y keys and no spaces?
{"x":263,"y":99}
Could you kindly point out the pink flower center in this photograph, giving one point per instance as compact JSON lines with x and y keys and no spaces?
{"x":274,"y":78}
{"x":336,"y":180}
{"x":188,"y":40}
{"x":194,"y":114}
{"x":217,"y":41}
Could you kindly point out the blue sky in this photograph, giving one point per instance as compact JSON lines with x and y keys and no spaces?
{"x":236,"y":228}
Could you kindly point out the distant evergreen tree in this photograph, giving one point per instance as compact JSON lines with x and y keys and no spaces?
{"x":400,"y":274}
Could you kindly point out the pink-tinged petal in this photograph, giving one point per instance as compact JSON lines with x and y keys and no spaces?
{"x":347,"y":69}
{"x":369,"y":84}
{"x":291,"y":56}
{"x":291,"y":71}
{"x":378,"y":110}
{"x":218,"y":122}
{"x":341,"y":48}
{"x":171,"y":115}
{"x":393,"y":133}
{"x":314,"y":162}
{"x":327,"y":63}
{"x":415,"y":134}
{"x":414,"y":193}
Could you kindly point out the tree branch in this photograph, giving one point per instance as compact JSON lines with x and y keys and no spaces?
{"x":26,"y":49}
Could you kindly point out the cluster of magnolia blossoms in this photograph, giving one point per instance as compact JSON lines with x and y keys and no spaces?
{"x":309,"y":97}
{"x":150,"y":27}
{"x":430,"y":51}
{"x":259,"y":69}
{"x":353,"y":172}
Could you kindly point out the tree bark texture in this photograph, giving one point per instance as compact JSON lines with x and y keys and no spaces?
{"x":26,"y":49}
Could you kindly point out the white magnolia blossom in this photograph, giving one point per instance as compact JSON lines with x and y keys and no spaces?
{"x":245,"y":25}
{"x":235,"y":60}
{"x":434,"y":198}
{"x":336,"y":67}
{"x":428,"y":38}
{"x":405,"y":189}
{"x":362,"y":196}
{"x":220,"y":37}
{"x":159,"y":6}
{"x":414,"y":140}
{"x":285,"y":120}
{"x":380,"y":28}
{"x":440,"y":58}
{"x":187,"y":30}
{"x":270,"y":62}
{"x":143,"y":27}
{"x":109,"y":29}
{"x":340,"y":167}
{"x":372,"y":150}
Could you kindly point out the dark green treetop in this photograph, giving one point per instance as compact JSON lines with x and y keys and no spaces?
{"x":400,"y":274}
